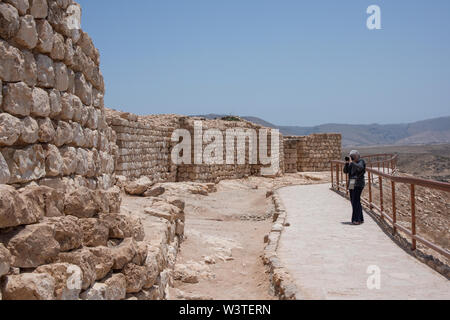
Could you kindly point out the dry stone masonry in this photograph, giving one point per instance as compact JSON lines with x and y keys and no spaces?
{"x":66,"y":162}
{"x":312,"y":153}
{"x":53,"y":128}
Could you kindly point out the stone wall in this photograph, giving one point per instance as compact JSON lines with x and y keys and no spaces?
{"x":312,"y":153}
{"x":53,"y":129}
{"x":143,"y":146}
{"x":217,"y":172}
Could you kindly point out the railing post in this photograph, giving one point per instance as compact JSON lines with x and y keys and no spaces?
{"x":370,"y":191}
{"x":332,"y":176}
{"x":413,"y":216}
{"x":381,"y":197}
{"x":337,"y":177}
{"x":394,"y":208}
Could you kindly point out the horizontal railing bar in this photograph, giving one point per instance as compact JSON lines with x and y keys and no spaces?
{"x":442,"y":251}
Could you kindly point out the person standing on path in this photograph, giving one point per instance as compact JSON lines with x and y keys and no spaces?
{"x":355,"y":167}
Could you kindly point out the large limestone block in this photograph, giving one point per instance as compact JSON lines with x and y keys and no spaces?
{"x":59,"y":47}
{"x":70,"y":163}
{"x":46,"y":71}
{"x":138,"y":187}
{"x":12,"y":62}
{"x":5,"y":260}
{"x":17,"y":99}
{"x":32,"y":246}
{"x":95,"y":232}
{"x":27,"y":36}
{"x":112,"y":289}
{"x":29,"y":286}
{"x":13,"y":209}
{"x":61,"y":77}
{"x":124,"y":253}
{"x":103,"y":261}
{"x":53,"y":161}
{"x":136,"y":277}
{"x":30,"y":69}
{"x":68,"y":279}
{"x":64,"y":134}
{"x":119,"y":226}
{"x":68,"y":232}
{"x":45,"y":36}
{"x":41,"y":103}
{"x":21,"y":5}
{"x":29,"y":131}
{"x":81,"y":203}
{"x":55,"y":103}
{"x":47,"y":130}
{"x":67,"y":111}
{"x":10,"y":129}
{"x":25,"y":165}
{"x":9,"y":21}
{"x":39,"y":8}
{"x":85,"y":260}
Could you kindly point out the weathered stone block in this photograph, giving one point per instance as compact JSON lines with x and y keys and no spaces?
{"x":45,"y":36}
{"x":68,"y":279}
{"x":27,"y":35}
{"x":41,"y":103}
{"x":9,"y":21}
{"x":12,"y":62}
{"x":95,"y":232}
{"x":32,"y":246}
{"x":46,"y":71}
{"x":17,"y":98}
{"x":10,"y":129}
{"x":29,"y":131}
{"x":85,"y":260}
{"x":29,"y":286}
{"x":68,"y":232}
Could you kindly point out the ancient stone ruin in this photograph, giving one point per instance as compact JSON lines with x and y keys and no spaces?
{"x":66,"y":160}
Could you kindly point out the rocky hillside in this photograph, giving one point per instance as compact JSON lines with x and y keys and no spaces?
{"x":434,"y":131}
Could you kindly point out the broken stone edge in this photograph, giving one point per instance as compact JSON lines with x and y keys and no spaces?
{"x":283,"y":285}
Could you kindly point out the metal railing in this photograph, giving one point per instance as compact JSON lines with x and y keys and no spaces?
{"x":384,"y":167}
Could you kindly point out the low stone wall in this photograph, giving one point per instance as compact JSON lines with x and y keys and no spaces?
{"x":221,"y":171}
{"x":145,"y":148}
{"x":312,"y":153}
{"x":53,"y":129}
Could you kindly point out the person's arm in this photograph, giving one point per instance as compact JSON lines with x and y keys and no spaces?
{"x":347,"y":168}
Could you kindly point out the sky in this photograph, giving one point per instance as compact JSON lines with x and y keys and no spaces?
{"x":290,"y":62}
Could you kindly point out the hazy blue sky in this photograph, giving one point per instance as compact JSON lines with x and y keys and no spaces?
{"x":290,"y":62}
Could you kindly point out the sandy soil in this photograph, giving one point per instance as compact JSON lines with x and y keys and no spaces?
{"x":225,"y":239}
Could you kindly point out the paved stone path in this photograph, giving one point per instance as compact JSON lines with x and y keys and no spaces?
{"x":329,"y":258}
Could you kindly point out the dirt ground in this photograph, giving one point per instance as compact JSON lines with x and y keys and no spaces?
{"x":225,"y":231}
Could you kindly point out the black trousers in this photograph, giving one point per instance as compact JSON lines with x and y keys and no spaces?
{"x":355,"y":198}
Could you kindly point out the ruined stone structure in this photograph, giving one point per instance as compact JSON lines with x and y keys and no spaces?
{"x":145,"y":148}
{"x":64,"y":159}
{"x":312,"y":153}
{"x":52,"y":122}
{"x":62,"y":233}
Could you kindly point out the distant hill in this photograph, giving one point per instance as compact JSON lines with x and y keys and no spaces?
{"x":434,"y":131}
